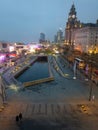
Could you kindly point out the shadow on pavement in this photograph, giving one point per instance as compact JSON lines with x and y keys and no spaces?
{"x":54,"y":124}
{"x":33,"y":124}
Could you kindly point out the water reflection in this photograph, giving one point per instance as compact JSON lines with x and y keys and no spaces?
{"x":38,"y":70}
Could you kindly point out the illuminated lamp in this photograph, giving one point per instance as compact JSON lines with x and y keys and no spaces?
{"x":11,"y":48}
{"x":2,"y":57}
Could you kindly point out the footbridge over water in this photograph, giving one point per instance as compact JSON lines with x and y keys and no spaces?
{"x":27,"y":84}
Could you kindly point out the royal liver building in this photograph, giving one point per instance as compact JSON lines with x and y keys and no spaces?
{"x":81,"y":36}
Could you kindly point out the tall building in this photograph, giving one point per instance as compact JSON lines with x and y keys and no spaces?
{"x":59,"y":35}
{"x":81,"y":36}
{"x":58,"y":38}
{"x":71,"y":24}
{"x":55,"y":38}
{"x":42,"y":37}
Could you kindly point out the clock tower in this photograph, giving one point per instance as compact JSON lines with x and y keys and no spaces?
{"x":72,"y":13}
{"x":71,"y":25}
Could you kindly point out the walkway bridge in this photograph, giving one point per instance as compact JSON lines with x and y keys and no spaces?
{"x":35,"y":82}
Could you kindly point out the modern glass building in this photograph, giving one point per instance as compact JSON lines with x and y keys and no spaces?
{"x":42,"y":37}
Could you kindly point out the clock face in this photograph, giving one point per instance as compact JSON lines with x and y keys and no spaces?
{"x":73,"y":16}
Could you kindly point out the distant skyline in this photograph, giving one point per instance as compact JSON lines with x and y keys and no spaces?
{"x":24,"y":20}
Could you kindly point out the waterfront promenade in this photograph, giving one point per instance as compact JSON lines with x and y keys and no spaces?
{"x":13,"y":71}
{"x":49,"y":116}
{"x":59,"y":105}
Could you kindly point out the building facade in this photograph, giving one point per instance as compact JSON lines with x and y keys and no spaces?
{"x":55,"y":38}
{"x":86,"y":39}
{"x":4,"y":47}
{"x":58,"y":38}
{"x":81,"y":36}
{"x":71,"y":25}
{"x":42,"y":38}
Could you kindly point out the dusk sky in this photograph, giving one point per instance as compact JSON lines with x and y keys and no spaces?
{"x":24,"y":20}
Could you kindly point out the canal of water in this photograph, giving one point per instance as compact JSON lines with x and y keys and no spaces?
{"x":38,"y":70}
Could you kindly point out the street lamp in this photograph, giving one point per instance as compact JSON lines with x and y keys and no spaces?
{"x":90,"y":92}
{"x":91,"y":84}
{"x":74,"y":69}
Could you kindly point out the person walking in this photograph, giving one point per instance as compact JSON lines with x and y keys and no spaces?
{"x":17,"y":119}
{"x":20,"y":116}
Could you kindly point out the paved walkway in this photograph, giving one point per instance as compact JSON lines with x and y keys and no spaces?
{"x":48,"y":116}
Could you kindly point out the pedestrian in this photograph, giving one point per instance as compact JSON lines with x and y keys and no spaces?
{"x":17,"y":119}
{"x":20,"y":116}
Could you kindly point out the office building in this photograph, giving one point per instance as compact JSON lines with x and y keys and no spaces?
{"x":42,"y":38}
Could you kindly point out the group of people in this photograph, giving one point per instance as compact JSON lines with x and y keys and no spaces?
{"x":19,"y":117}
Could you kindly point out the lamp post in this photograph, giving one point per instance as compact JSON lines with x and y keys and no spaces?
{"x":74,"y":69}
{"x":91,"y":91}
{"x":91,"y":84}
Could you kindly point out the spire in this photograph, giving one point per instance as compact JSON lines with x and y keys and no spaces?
{"x":72,"y":18}
{"x":73,"y":2}
{"x":73,"y":10}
